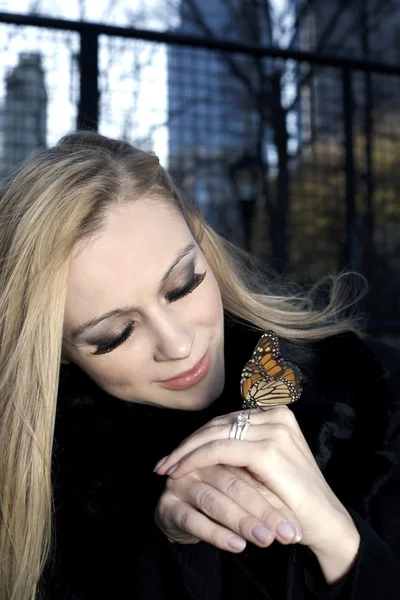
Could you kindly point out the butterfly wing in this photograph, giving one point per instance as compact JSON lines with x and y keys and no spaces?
{"x":266,"y":353}
{"x":252,"y":372}
{"x":268,"y":380}
{"x":273,"y":392}
{"x":291,"y":374}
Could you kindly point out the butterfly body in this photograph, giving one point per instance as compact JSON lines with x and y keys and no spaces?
{"x":268,"y":380}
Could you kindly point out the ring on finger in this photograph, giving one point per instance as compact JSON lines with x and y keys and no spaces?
{"x":239,"y":427}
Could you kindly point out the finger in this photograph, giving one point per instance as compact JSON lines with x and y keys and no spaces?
{"x":256,"y":499}
{"x":220,"y":427}
{"x":218,"y":430}
{"x":243,"y":474}
{"x":227,"y":512}
{"x":184,"y":518}
{"x":284,"y":473}
{"x":285,"y":416}
{"x":258,"y":416}
{"x":221,"y":432}
{"x":237,"y":483}
{"x":217,"y":452}
{"x":266,"y":463}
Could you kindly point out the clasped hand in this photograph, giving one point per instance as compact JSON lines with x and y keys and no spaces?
{"x":226,"y":492}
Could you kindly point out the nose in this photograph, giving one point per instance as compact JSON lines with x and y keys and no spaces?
{"x":173,"y":339}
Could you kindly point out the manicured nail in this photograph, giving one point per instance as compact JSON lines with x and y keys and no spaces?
{"x":299,"y":532}
{"x":160,"y":462}
{"x":286,"y":530}
{"x":172,"y":469}
{"x":236,"y":543}
{"x":261,"y":533}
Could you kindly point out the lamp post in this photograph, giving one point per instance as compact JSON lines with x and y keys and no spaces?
{"x":247,"y":177}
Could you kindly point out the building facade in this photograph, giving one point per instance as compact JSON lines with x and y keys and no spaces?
{"x":24,"y":112}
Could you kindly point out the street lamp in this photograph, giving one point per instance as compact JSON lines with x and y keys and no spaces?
{"x":247,"y":176}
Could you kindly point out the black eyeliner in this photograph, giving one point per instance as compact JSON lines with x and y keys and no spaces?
{"x":109,"y":345}
{"x":177,"y":294}
{"x":187,"y":288}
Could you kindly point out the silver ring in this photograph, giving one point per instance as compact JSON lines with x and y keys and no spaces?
{"x":239,"y":428}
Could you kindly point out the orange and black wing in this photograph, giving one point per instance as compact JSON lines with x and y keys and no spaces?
{"x":268,"y":380}
{"x":267,"y":354}
{"x":291,"y":374}
{"x":252,"y":372}
{"x":273,"y":392}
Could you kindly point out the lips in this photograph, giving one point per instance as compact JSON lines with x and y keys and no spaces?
{"x":189,"y":378}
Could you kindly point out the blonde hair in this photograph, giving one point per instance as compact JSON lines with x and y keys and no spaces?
{"x":58,"y":197}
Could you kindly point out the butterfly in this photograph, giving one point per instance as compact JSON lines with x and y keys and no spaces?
{"x":268,"y":380}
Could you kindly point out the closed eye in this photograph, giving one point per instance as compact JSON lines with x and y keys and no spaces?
{"x":110,"y":344}
{"x":186,"y":289}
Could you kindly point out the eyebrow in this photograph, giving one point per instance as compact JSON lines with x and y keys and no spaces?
{"x":121,"y":311}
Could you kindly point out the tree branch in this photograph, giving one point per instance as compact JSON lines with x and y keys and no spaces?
{"x":266,"y":8}
{"x":301,"y":14}
{"x":322,"y":40}
{"x":225,"y":57}
{"x":232,"y":9}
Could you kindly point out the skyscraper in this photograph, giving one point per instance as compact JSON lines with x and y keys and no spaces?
{"x":24,"y":112}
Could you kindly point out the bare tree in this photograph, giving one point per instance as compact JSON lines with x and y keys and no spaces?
{"x":265,"y":82}
{"x":257,"y":22}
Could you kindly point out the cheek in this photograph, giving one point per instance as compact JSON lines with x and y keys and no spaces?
{"x":127,"y":368}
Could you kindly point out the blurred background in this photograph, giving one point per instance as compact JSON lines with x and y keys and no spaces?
{"x":279,"y":117}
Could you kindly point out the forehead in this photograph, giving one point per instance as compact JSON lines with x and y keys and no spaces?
{"x":134,"y":249}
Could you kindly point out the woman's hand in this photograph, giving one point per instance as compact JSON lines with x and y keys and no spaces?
{"x":224,"y":506}
{"x":276,"y":454}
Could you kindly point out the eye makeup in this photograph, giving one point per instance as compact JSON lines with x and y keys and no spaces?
{"x":112,"y":343}
{"x":186,"y":289}
{"x":193,"y":282}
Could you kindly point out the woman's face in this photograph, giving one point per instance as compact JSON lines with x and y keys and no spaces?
{"x":152,"y":310}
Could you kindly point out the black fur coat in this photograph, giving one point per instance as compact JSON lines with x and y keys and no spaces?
{"x":106,"y":543}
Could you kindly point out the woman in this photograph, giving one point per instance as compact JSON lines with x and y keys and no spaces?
{"x":108,"y":272}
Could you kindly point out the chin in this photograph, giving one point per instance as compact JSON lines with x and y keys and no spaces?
{"x":203,"y":398}
{"x":198,"y":403}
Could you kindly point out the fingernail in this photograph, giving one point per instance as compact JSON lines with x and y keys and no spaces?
{"x":160,"y":462}
{"x":236,"y":543}
{"x":172,"y":469}
{"x":261,"y":533}
{"x":285,"y":530}
{"x":299,"y":532}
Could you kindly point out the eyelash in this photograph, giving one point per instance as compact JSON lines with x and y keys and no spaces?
{"x":170,"y":296}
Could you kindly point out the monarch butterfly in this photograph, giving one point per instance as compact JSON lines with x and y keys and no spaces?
{"x":267,"y":380}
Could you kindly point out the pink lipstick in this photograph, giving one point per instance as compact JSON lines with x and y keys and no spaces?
{"x":189,"y":378}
